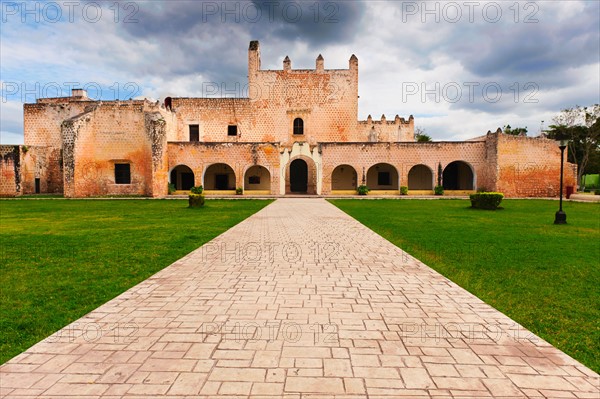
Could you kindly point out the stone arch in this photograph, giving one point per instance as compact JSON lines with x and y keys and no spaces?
{"x":344,"y":177}
{"x":420,"y":177}
{"x":458,"y":175}
{"x":383,"y":176}
{"x":257,"y":178}
{"x":219,"y":177}
{"x":182,"y":177}
{"x":294,"y":173}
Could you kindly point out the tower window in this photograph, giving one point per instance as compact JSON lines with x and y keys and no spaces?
{"x":194,"y":133}
{"x":122,"y":173}
{"x":298,"y":126}
{"x":232,"y":130}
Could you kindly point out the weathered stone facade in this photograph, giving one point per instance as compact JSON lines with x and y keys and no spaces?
{"x":296,"y":132}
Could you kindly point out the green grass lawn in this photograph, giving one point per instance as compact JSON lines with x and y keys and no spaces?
{"x":544,"y":276}
{"x":63,"y":258}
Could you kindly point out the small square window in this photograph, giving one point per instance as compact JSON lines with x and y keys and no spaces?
{"x":194,"y":133}
{"x":254,"y":180}
{"x":383,"y":179}
{"x":232,"y":130}
{"x":122,"y":173}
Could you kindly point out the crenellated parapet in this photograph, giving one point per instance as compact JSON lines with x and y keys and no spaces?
{"x":384,"y":130}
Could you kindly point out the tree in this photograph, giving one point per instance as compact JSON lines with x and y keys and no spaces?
{"x":580,"y":125}
{"x":421,"y":136}
{"x":518,"y":131}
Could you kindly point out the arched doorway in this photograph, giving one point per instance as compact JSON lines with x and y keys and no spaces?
{"x":458,"y":175}
{"x":257,"y":179}
{"x":343,"y":177}
{"x":382,"y":177}
{"x":299,"y":176}
{"x":220,"y":177}
{"x":420,"y":177}
{"x":182,"y":178}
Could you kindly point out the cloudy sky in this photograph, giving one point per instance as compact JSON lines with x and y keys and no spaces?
{"x":460,"y":67}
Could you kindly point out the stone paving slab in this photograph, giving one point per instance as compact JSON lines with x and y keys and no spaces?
{"x":299,"y":301}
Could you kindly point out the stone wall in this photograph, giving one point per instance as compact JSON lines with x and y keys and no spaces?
{"x":530,"y":167}
{"x":326,"y":100}
{"x":403,"y":157}
{"x":43,"y":164}
{"x":112,"y":133}
{"x":397,"y":129}
{"x":213,"y":116}
{"x":42,"y":120}
{"x":239,"y":156}
{"x":21,"y":166}
{"x":10,"y":171}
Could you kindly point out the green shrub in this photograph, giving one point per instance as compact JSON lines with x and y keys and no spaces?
{"x":172,"y":188}
{"x":486,"y":200}
{"x":197,"y":190}
{"x":239,"y":191}
{"x":362,"y":189}
{"x":403,"y":190}
{"x":597,"y":191}
{"x":439,"y":190}
{"x":196,"y":200}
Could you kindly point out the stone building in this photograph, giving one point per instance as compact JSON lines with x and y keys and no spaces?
{"x":296,"y":132}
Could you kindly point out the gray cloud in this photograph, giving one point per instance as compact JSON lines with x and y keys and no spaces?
{"x":316,"y":23}
{"x":177,"y":46}
{"x":212,"y":37}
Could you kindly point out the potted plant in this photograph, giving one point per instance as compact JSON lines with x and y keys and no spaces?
{"x":239,"y":191}
{"x":196,"y":198}
{"x":362,"y":189}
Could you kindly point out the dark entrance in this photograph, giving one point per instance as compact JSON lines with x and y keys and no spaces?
{"x":298,"y":176}
{"x":458,"y":176}
{"x":187,"y":181}
{"x":37,"y":185}
{"x":182,"y":178}
{"x":221,"y":182}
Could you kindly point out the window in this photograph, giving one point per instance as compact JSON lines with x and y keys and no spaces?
{"x":254,"y":180}
{"x":122,"y":173}
{"x":383,"y":179}
{"x":298,"y":126}
{"x":232,"y":130}
{"x":194,"y":133}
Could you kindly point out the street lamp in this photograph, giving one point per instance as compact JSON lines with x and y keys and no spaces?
{"x":561,"y":217}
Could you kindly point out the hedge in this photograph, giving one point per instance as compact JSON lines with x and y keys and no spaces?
{"x":486,"y":200}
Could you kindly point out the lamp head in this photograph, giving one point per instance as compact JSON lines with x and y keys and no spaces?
{"x":562,"y":139}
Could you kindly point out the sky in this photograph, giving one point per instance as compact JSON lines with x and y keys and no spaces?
{"x":460,"y":67}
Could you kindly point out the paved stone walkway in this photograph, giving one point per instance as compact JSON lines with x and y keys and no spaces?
{"x":298,"y":301}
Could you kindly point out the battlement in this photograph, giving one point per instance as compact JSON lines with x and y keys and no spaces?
{"x":398,"y":129}
{"x":254,"y":62}
{"x":396,"y":121}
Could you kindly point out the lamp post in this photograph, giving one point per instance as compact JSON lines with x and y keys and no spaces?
{"x":561,"y":217}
